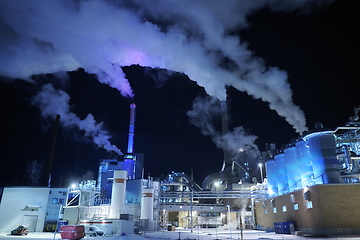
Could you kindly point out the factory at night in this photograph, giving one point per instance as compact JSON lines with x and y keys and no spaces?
{"x":134,"y":117}
{"x":310,"y":186}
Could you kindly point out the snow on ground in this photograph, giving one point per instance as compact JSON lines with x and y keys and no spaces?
{"x":183,"y":234}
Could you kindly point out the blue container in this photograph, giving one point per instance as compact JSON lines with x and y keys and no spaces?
{"x":277,"y":227}
{"x":283,"y":186}
{"x":292,"y":168}
{"x":304,"y":159}
{"x":284,"y":227}
{"x":325,"y":165}
{"x":271,"y":174}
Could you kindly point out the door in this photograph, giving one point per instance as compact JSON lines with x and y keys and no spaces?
{"x":30,"y":221}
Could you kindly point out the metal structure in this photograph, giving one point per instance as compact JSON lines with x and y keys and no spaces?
{"x":186,"y":196}
{"x":34,"y":171}
{"x":320,"y":156}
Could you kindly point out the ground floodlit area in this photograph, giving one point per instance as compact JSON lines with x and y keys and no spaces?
{"x":185,"y":234}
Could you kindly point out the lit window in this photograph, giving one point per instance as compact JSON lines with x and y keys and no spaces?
{"x":309,"y":204}
{"x":272,"y":203}
{"x":274,"y":210}
{"x":55,"y":201}
{"x":284,"y":209}
{"x":296,"y":206}
{"x":292,"y":198}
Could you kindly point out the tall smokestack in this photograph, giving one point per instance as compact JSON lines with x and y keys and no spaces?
{"x":225,"y":130}
{"x":131,"y":129}
{"x":129,"y":158}
{"x":47,"y":179}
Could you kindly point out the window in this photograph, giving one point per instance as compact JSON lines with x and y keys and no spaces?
{"x":284,"y":209}
{"x":309,"y":204}
{"x":274,"y":210}
{"x":266,"y":211}
{"x":296,"y":206}
{"x":292,"y":198}
{"x":61,"y":201}
{"x":55,"y":200}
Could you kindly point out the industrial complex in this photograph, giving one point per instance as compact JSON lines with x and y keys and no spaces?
{"x":310,"y":186}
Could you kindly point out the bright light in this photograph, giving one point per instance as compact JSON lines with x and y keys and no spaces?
{"x":216,"y":184}
{"x":73,"y":185}
{"x":261,"y":172}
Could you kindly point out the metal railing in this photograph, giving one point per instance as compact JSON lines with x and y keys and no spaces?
{"x":213,"y":194}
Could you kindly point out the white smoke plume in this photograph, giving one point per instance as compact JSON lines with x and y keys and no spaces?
{"x":52,"y":102}
{"x":188,"y":36}
{"x":202,"y":115}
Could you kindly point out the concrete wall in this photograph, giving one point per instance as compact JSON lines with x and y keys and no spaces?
{"x":13,"y":210}
{"x":334,"y":210}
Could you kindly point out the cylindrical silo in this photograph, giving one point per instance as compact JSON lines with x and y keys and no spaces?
{"x":147,"y":204}
{"x":325,"y":165}
{"x":292,"y":168}
{"x":118,"y":193}
{"x":304,"y":158}
{"x":271,"y":177}
{"x":283,"y":186}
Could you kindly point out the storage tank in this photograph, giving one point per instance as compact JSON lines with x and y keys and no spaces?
{"x":292,"y":168}
{"x":118,"y":193}
{"x":147,"y":204}
{"x":271,"y":177}
{"x":325,"y":165}
{"x":282,"y":182}
{"x":304,"y":159}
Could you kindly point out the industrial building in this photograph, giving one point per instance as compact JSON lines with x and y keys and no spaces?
{"x":313,"y":183}
{"x":311,"y":186}
{"x":37,"y":208}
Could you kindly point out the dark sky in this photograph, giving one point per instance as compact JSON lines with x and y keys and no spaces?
{"x":318,"y":49}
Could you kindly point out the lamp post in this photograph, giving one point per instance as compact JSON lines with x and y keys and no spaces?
{"x":261,"y":172}
{"x":228,"y":220}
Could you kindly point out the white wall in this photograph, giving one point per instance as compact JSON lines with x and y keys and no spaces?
{"x":56,"y":198}
{"x":13,"y":202}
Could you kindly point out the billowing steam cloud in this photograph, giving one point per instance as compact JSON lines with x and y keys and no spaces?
{"x":52,"y":102}
{"x":188,"y":36}
{"x":205,"y":109}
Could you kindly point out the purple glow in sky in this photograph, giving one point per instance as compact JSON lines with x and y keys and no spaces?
{"x":101,"y":36}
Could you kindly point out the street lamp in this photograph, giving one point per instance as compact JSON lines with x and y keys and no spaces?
{"x":261,"y":172}
{"x":228,"y":220}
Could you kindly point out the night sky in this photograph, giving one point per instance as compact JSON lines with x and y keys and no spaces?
{"x":316,"y":44}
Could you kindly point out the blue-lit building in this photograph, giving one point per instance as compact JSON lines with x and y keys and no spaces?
{"x":313,"y":183}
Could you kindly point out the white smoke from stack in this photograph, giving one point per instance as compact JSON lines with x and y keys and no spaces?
{"x":52,"y":102}
{"x":186,"y":36}
{"x":203,"y":112}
